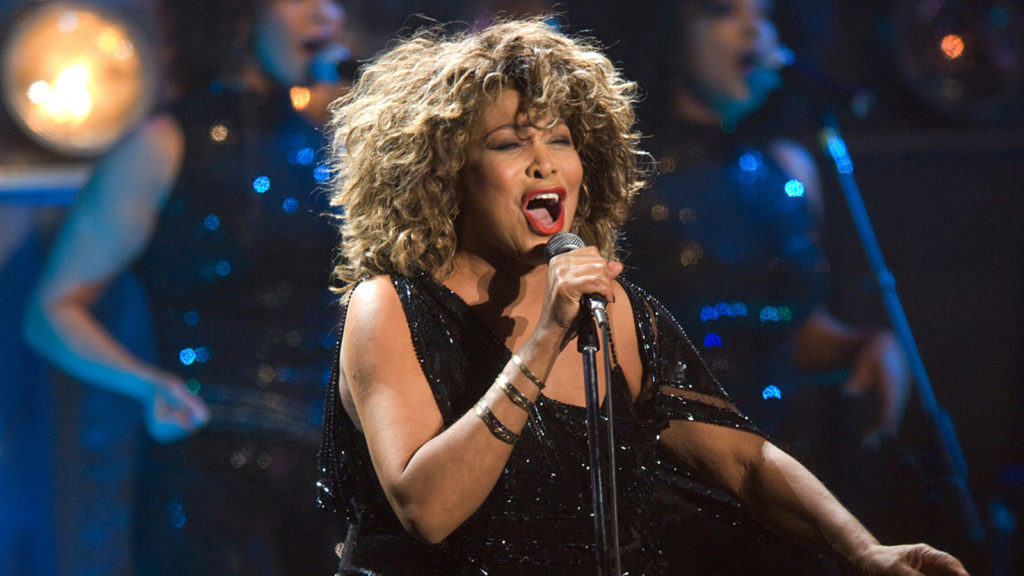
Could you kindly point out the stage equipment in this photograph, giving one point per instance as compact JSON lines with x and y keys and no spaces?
{"x":953,"y":473}
{"x":75,"y":77}
{"x":595,"y":317}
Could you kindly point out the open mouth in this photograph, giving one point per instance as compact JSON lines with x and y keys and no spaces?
{"x":545,"y":210}
{"x":748,"y":62}
{"x":312,"y":47}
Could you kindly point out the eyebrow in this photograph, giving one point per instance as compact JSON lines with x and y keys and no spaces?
{"x":512,"y":126}
{"x":517,"y":126}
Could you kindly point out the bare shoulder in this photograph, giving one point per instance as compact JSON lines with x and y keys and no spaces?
{"x":372,"y":300}
{"x":381,"y":383}
{"x":141,"y":169}
{"x":377,"y":337}
{"x":160,"y":142}
{"x":115,"y":213}
{"x":165,"y":135}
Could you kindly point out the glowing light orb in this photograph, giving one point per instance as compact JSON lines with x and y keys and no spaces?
{"x":75,"y":77}
{"x":952,"y":46}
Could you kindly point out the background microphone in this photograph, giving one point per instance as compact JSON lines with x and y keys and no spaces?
{"x":333,"y":64}
{"x":859,"y":99}
{"x":566,"y":242}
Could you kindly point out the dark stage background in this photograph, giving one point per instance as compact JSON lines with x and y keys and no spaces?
{"x":942,"y":178}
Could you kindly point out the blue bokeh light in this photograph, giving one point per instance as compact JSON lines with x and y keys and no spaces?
{"x":187,"y":356}
{"x":290,"y":205}
{"x":261,"y":184}
{"x":304,"y":156}
{"x":750,"y":161}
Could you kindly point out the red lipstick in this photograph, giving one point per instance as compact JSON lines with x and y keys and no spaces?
{"x":545,"y":210}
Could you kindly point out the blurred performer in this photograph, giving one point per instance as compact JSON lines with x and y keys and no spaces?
{"x":213,"y":203}
{"x":728,"y":239}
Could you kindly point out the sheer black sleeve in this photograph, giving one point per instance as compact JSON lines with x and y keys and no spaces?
{"x":675,"y":377}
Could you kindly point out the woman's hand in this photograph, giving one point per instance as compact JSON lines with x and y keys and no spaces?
{"x":571,"y":276}
{"x":881,"y":369}
{"x":909,"y":560}
{"x":172,"y":412}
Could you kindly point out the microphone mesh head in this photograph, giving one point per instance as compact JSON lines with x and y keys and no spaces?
{"x":562,"y":242}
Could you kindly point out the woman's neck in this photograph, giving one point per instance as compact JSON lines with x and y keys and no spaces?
{"x":252,"y":78}
{"x":477,"y":279}
{"x":688,"y":107}
{"x":506,"y":298}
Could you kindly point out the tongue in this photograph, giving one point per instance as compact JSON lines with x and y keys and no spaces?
{"x":539,"y":217}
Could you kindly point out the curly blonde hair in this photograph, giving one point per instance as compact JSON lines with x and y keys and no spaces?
{"x":400,"y":136}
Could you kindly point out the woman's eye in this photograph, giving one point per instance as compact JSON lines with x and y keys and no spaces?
{"x":719,"y":8}
{"x":506,"y":145}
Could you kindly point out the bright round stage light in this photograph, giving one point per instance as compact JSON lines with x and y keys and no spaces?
{"x":75,"y":77}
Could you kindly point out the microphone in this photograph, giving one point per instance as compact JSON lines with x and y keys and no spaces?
{"x":860,"y":99}
{"x":333,"y":64}
{"x":566,"y":242}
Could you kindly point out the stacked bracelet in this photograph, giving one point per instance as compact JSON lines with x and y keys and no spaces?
{"x":513,"y":393}
{"x":500,"y":431}
{"x":526,"y":371}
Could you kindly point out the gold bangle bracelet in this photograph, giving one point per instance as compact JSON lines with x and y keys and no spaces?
{"x":513,"y":393}
{"x":527,"y":372}
{"x":500,"y":431}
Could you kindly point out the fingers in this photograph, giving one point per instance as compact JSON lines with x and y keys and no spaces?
{"x":888,"y":415}
{"x":892,"y":403}
{"x":586,"y":271}
{"x":881,"y":370}
{"x":924,"y":560}
{"x":571,"y":276}
{"x":911,"y":560}
{"x":175,"y":413}
{"x":937,"y":562}
{"x":195,"y":409}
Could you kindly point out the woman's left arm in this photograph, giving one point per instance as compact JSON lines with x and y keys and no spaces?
{"x":790,"y":501}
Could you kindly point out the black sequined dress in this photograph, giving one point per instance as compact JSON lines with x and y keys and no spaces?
{"x":236,"y":275}
{"x":537,"y":519}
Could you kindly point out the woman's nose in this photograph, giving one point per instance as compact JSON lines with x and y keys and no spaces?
{"x":753,"y":17}
{"x":543,"y":164}
{"x":322,"y":11}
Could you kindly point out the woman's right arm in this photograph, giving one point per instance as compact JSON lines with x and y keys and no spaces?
{"x":110,"y":224}
{"x":436,"y":477}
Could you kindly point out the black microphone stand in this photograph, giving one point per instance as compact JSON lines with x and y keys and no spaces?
{"x":954,"y":465}
{"x":588,"y":344}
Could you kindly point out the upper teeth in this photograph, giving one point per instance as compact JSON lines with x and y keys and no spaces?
{"x":547,"y":196}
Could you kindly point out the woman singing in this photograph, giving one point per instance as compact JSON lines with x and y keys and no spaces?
{"x":456,"y":434}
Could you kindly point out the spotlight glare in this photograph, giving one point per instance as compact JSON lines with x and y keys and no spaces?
{"x":75,"y":77}
{"x":67,"y":21}
{"x":39,"y":92}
